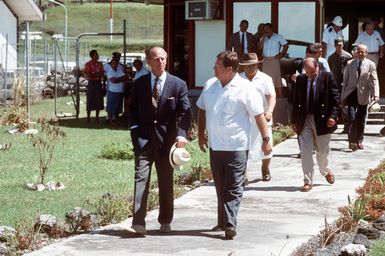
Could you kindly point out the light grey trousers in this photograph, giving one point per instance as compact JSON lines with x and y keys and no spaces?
{"x":309,"y":140}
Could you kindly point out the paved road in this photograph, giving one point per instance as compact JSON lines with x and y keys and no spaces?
{"x":274,"y":218}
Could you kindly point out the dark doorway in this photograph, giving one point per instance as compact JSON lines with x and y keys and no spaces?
{"x":354,"y":13}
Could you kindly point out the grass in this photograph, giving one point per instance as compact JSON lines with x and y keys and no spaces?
{"x":144,"y":27}
{"x":378,"y":248}
{"x":77,"y":164}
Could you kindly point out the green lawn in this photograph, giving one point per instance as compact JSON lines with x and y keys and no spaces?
{"x":77,"y":164}
{"x":144,"y":26}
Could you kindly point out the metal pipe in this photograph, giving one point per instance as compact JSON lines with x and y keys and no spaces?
{"x":65,"y":30}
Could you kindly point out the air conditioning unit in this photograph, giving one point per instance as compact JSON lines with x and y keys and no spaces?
{"x":201,"y":10}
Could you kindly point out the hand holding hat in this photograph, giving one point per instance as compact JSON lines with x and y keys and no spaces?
{"x":178,"y":157}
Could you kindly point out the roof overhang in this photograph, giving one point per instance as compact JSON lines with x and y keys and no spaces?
{"x":25,"y":10}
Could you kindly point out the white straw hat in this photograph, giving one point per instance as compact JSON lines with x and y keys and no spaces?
{"x":178,"y":157}
{"x":374,"y":107}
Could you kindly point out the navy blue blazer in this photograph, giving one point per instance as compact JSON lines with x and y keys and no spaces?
{"x":326,"y":101}
{"x":172,"y":118}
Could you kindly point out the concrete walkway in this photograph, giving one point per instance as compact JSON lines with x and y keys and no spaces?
{"x":274,"y":218}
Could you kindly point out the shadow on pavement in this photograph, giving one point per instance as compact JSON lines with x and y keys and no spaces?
{"x":196,"y":232}
{"x":280,"y":188}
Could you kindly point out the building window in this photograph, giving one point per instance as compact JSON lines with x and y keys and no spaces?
{"x":297,"y":21}
{"x":253,"y":12}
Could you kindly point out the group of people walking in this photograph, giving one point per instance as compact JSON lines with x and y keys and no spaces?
{"x":235,"y":112}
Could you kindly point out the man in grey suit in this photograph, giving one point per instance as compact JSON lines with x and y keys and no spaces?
{"x":242,"y":42}
{"x":159,"y":116}
{"x":359,"y":87}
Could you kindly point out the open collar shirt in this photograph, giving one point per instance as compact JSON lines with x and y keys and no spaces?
{"x":373,"y":41}
{"x":272,"y":45}
{"x":228,"y":112}
{"x":328,"y":37}
{"x":264,"y":83}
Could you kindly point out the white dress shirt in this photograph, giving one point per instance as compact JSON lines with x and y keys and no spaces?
{"x":328,"y":37}
{"x":272,"y":45}
{"x":228,"y":112}
{"x":240,"y":41}
{"x":373,"y":41}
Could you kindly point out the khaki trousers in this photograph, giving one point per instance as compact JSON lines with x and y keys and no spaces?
{"x":373,"y":57}
{"x":309,"y":140}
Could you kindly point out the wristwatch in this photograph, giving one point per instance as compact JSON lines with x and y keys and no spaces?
{"x":266,"y":139}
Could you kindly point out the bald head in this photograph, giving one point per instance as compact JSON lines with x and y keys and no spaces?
{"x":311,"y":67}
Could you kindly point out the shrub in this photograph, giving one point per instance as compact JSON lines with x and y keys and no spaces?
{"x":112,"y":209}
{"x":281,"y":133}
{"x":44,"y":143}
{"x":117,"y":151}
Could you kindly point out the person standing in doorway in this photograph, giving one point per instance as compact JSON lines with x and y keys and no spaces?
{"x":314,"y":115}
{"x":274,"y":47}
{"x":242,"y":42}
{"x":333,"y":31}
{"x":360,"y":85}
{"x":94,"y":73}
{"x":159,"y":117}
{"x":226,"y":106}
{"x":372,"y":39}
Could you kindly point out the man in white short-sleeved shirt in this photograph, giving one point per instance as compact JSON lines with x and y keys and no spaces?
{"x":274,"y":47}
{"x":226,"y":105}
{"x":330,"y":34}
{"x":264,"y":84}
{"x":372,"y":39}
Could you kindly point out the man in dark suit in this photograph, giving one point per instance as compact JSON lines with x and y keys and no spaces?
{"x":314,"y":115}
{"x":242,"y":42}
{"x":159,"y":116}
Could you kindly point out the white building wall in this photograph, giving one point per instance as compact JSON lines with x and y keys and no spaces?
{"x":8,"y":26}
{"x":210,"y":39}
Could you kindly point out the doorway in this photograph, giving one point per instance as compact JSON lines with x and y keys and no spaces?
{"x":354,"y":20}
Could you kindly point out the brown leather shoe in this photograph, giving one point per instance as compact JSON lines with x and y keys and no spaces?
{"x":330,"y":177}
{"x":306,"y":188}
{"x":360,"y":146}
{"x":266,"y":175}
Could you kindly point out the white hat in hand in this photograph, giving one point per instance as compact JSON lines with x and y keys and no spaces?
{"x":374,"y":107}
{"x":178,"y":157}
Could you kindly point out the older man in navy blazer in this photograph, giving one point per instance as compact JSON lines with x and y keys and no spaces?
{"x":159,"y":116}
{"x":314,"y":116}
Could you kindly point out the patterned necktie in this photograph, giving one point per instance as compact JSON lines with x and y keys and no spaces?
{"x":359,"y":68}
{"x":155,"y":93}
{"x":310,"y":104}
{"x":243,"y":43}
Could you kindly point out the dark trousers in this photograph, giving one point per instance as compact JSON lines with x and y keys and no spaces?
{"x":357,"y":118}
{"x":143,"y":163}
{"x":228,"y":168}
